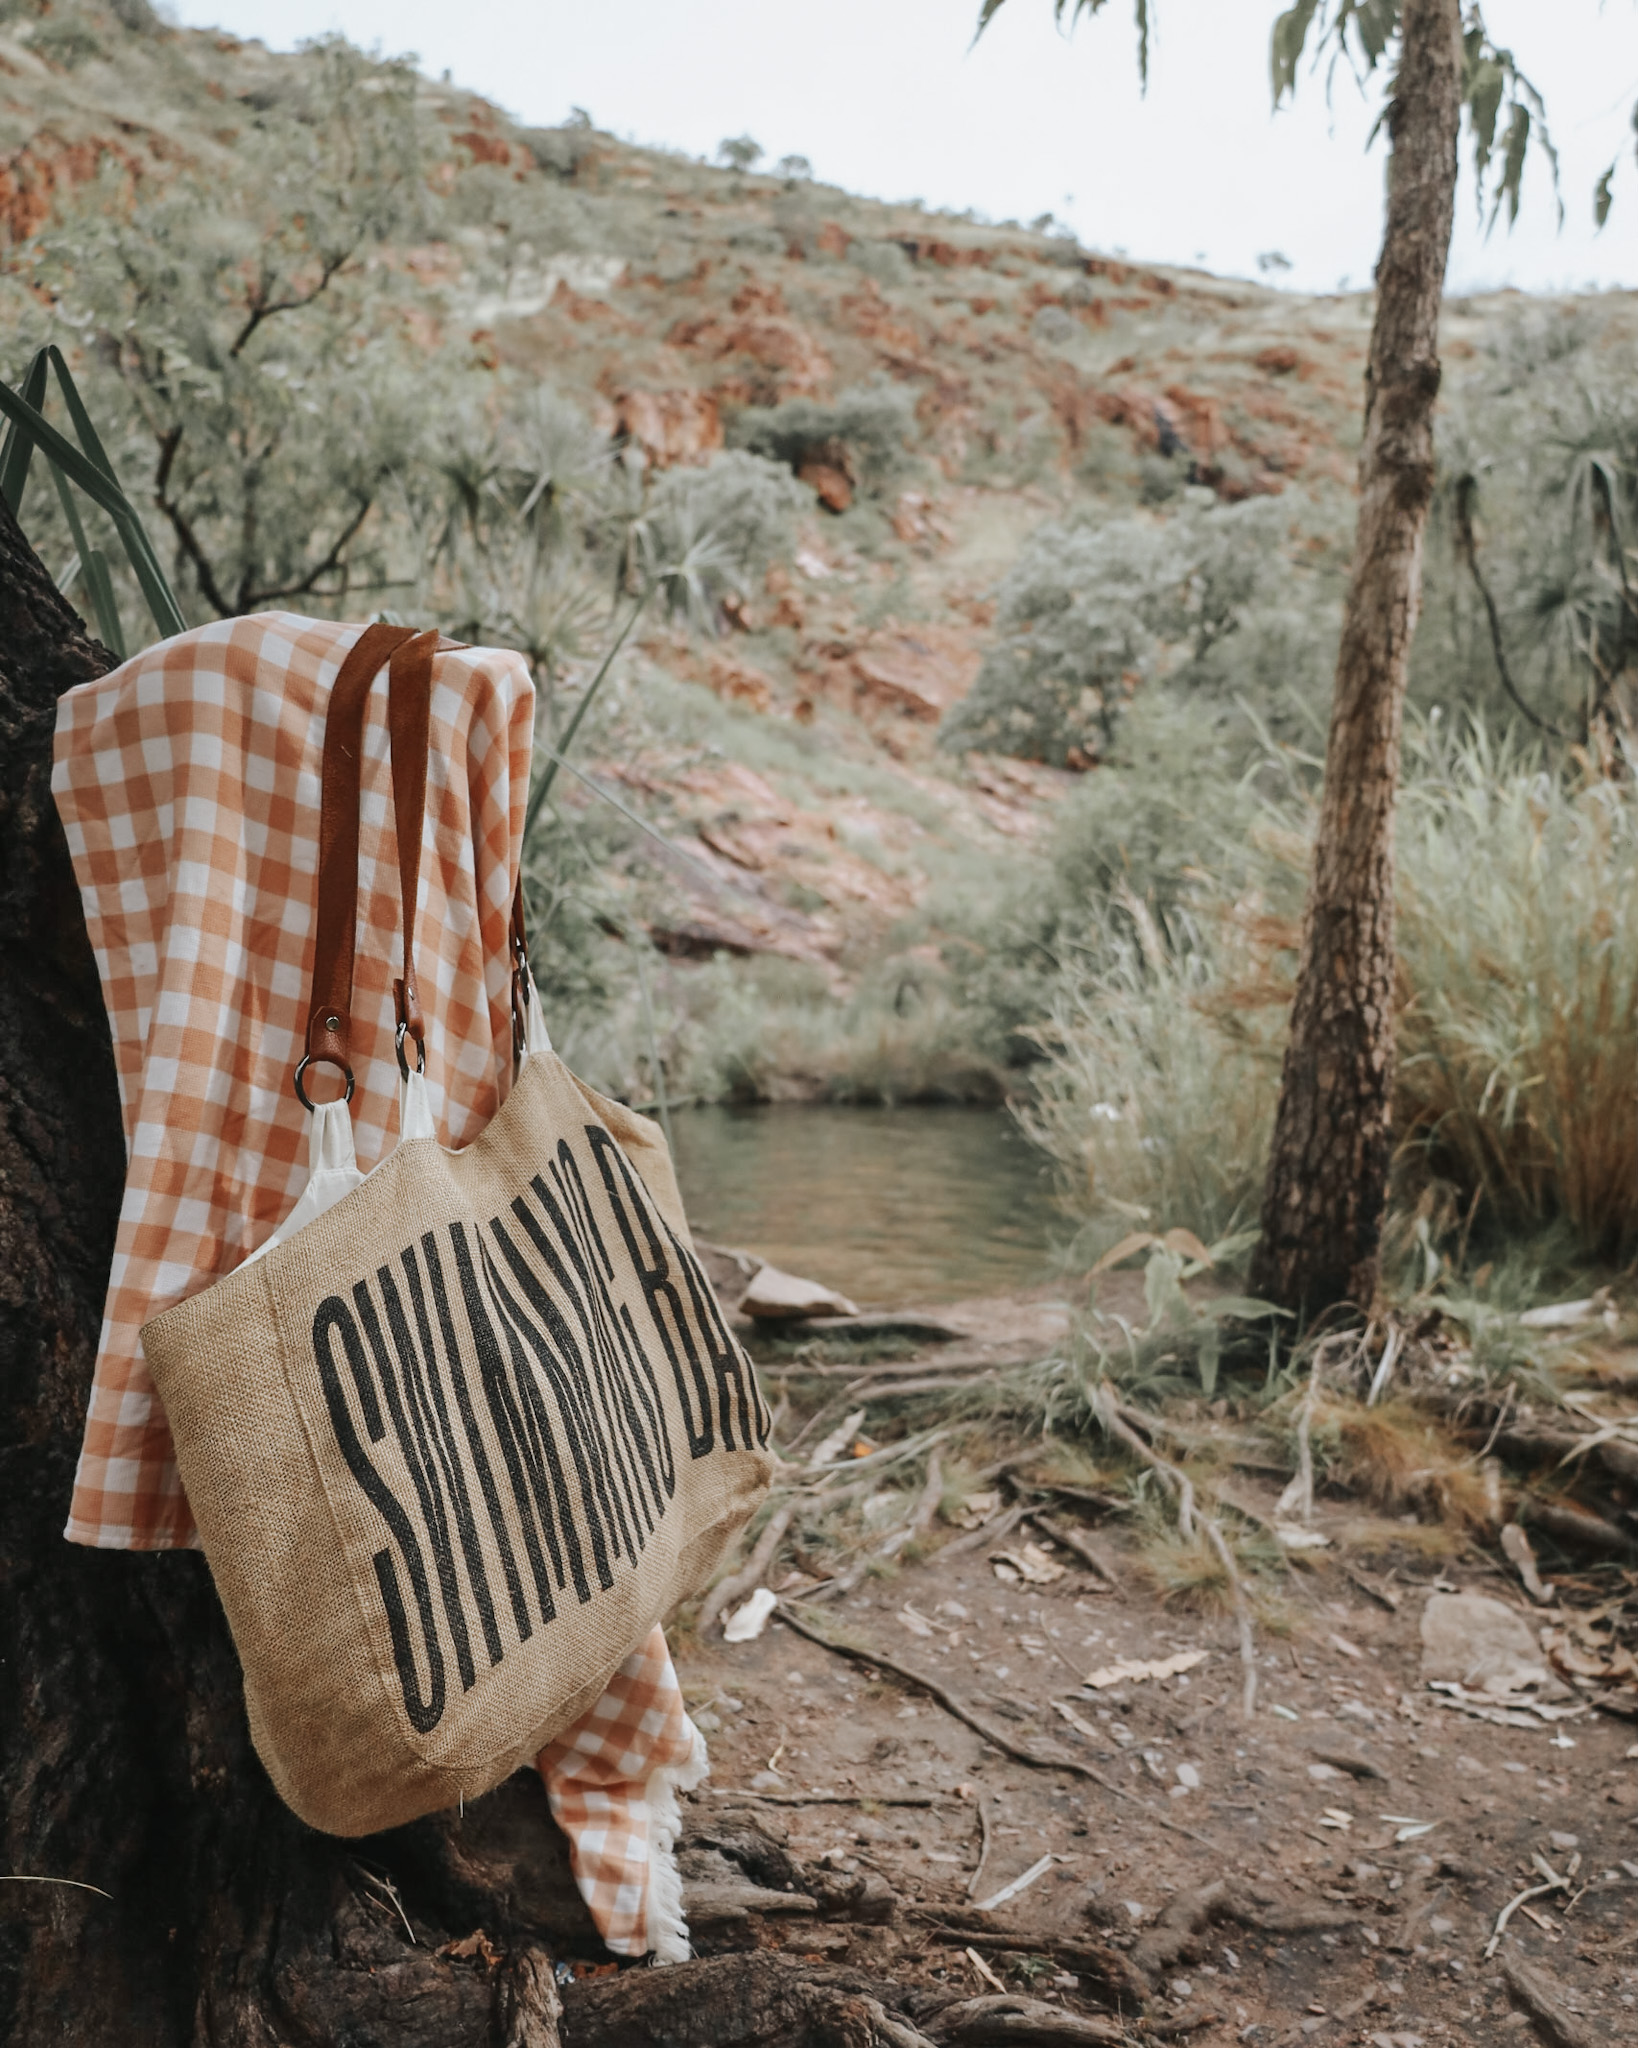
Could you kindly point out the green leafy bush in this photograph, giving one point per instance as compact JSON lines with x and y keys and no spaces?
{"x":1219,"y":602}
{"x":870,"y":424}
{"x":714,"y":530}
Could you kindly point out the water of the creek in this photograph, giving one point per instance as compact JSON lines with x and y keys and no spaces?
{"x":891,"y":1206}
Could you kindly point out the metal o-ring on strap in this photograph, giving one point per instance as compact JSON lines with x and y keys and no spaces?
{"x":403,"y":1064}
{"x":304,"y":1063}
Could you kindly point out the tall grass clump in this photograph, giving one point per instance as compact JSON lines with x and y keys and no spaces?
{"x":1516,"y":1101}
{"x":1518,"y":1049}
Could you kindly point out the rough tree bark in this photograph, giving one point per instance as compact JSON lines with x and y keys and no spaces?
{"x":184,"y":1906}
{"x":1328,"y":1166}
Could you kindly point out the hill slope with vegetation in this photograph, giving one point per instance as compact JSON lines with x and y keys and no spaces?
{"x":975,"y":596}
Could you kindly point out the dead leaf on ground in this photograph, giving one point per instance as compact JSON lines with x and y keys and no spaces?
{"x":475,"y":1946}
{"x":976,"y":1510}
{"x":1030,"y":1564}
{"x":1134,"y":1669}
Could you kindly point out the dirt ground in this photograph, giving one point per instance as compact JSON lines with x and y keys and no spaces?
{"x":1370,"y":1833}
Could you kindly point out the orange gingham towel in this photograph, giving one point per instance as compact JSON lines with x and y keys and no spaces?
{"x":613,"y":1782}
{"x":188,"y":786}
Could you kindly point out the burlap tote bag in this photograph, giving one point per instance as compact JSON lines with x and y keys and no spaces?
{"x":456,"y":1443}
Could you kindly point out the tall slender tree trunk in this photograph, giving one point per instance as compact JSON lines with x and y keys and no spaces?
{"x":1328,"y":1167}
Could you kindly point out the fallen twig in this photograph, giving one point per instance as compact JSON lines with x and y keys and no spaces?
{"x":1242,"y":1616}
{"x":985,"y":1974}
{"x":1108,"y":1502}
{"x":386,"y":1892}
{"x":825,"y":1798}
{"x":1108,"y":1411}
{"x":1537,"y":1891}
{"x":986,"y":1831}
{"x":975,"y":1721}
{"x":1384,"y":1596}
{"x":990,"y":1532}
{"x":74,"y":1883}
{"x":1298,"y":1497}
{"x":1039,"y":1868}
{"x":927,"y":1501}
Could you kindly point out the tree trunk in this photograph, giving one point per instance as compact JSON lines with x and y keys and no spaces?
{"x":1328,"y":1165}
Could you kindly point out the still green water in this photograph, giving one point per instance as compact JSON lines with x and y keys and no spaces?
{"x":891,"y":1206}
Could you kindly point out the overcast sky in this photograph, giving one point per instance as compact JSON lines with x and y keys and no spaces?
{"x":890,"y":98}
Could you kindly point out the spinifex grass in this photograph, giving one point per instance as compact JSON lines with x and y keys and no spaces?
{"x":1515,"y":1108}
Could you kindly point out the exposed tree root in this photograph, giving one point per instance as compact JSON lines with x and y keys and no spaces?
{"x":754,"y":2000}
{"x":976,"y":1721}
{"x":1179,"y":1934}
{"x":1534,"y":1992}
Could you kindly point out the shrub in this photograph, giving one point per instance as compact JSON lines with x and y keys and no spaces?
{"x":869,"y":425}
{"x":714,"y":530}
{"x":1220,"y":601}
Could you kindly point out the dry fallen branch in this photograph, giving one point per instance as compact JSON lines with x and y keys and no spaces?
{"x":1535,"y":1891}
{"x":1109,"y":1412}
{"x":1242,"y":1616}
{"x":824,"y":1798}
{"x":991,"y":1532}
{"x":727,"y":1591}
{"x":986,"y":1831}
{"x":1020,"y":1884}
{"x":1298,"y":1497}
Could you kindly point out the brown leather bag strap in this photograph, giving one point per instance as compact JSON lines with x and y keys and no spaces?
{"x":409,"y":725}
{"x":518,"y":939}
{"x":329,"y":1016}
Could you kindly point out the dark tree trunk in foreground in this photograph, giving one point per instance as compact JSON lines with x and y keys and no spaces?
{"x":1328,"y":1167}
{"x":125,"y":1761}
{"x":198,"y":1912}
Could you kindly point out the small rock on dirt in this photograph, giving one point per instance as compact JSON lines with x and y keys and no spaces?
{"x":1483,"y":1645}
{"x":775,"y":1296}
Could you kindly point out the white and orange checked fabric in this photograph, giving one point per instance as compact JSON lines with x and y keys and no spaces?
{"x":613,"y":1781}
{"x":188,"y":786}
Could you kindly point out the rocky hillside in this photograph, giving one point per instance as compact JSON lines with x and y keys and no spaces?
{"x":941,"y":386}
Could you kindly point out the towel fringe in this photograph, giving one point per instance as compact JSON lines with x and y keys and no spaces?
{"x":667,"y":1928}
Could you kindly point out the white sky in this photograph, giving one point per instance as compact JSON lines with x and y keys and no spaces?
{"x":890,"y":98}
